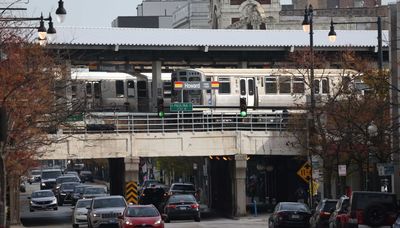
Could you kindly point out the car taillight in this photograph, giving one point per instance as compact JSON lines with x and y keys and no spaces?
{"x":194,"y":206}
{"x":281,"y":215}
{"x":360,"y":216}
{"x":324,"y":214}
{"x":171,"y":206}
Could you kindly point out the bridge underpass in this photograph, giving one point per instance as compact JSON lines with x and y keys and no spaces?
{"x":227,"y":179}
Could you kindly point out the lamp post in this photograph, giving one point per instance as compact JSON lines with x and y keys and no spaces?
{"x":308,"y":27}
{"x":332,"y":37}
{"x":372,"y":130}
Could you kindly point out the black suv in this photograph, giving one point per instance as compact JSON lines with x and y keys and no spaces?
{"x":371,"y":209}
{"x":321,"y":214}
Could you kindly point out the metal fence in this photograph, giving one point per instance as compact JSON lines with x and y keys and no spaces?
{"x":180,"y":122}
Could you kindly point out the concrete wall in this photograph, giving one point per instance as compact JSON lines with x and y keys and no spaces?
{"x":89,"y":146}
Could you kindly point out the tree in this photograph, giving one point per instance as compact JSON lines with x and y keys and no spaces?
{"x":32,"y":81}
{"x":340,"y":122}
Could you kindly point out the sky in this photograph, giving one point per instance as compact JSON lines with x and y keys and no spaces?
{"x":86,"y":13}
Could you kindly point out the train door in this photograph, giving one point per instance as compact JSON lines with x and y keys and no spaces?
{"x":131,"y":96}
{"x":143,"y":96}
{"x":247,"y":90}
{"x":209,"y":94}
{"x":93,"y":95}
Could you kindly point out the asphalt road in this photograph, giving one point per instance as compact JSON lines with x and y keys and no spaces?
{"x":62,"y":218}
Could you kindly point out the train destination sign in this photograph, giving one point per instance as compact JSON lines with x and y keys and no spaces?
{"x":200,"y":85}
{"x":181,"y":107}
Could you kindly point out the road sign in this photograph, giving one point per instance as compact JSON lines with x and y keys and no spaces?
{"x":342,"y":170}
{"x":385,"y":169}
{"x":179,"y":107}
{"x":305,"y":172}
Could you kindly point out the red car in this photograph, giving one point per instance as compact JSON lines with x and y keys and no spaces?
{"x":141,"y":216}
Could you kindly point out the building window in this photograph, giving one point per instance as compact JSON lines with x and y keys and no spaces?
{"x":271,"y":86}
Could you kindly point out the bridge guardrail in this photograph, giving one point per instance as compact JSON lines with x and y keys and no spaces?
{"x":120,"y":122}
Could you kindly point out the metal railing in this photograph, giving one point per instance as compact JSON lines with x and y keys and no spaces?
{"x":120,"y":122}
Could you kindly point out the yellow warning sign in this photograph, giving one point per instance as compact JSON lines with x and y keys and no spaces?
{"x":131,"y":192}
{"x":305,"y":172}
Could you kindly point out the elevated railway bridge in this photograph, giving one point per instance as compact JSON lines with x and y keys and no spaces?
{"x":245,"y":146}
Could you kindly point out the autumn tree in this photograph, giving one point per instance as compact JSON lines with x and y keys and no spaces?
{"x":340,"y":126}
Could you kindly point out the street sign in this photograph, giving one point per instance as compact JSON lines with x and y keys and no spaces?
{"x":385,"y":169}
{"x":342,"y":170}
{"x":305,"y":172}
{"x":181,"y":107}
{"x":199,"y":85}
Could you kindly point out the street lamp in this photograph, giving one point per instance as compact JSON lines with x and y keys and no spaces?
{"x":332,"y":37}
{"x":308,"y":27}
{"x":61,"y":12}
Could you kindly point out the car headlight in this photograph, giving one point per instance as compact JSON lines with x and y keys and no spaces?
{"x":43,"y":184}
{"x":54,"y":200}
{"x":95,"y":215}
{"x":158,"y":222}
{"x":127,"y":222}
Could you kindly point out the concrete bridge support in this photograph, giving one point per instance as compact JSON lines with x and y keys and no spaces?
{"x":131,"y":179}
{"x":240,"y":184}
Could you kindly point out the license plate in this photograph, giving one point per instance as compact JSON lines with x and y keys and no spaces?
{"x":112,"y":221}
{"x":182,"y":208}
{"x":295,"y":216}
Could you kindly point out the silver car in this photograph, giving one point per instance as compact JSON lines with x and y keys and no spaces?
{"x":105,"y":211}
{"x":94,"y":191}
{"x":42,"y":200}
{"x":79,"y":216}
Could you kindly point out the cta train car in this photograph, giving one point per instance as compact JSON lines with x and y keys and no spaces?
{"x":114,"y":91}
{"x":284,"y":88}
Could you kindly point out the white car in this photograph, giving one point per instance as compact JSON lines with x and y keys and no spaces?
{"x":42,"y":200}
{"x":79,"y":216}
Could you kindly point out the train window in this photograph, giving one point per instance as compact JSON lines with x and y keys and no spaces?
{"x":208,"y":79}
{"x":131,"y":88}
{"x":97,"y":89}
{"x":298,"y":85}
{"x":182,"y":73}
{"x":194,"y":79}
{"x":251,"y":87}
{"x":167,"y":87}
{"x":270,"y":85}
{"x":316,"y":86}
{"x":284,"y":84}
{"x":346,"y":83}
{"x":361,"y":87}
{"x":242,"y":87}
{"x":325,"y":86}
{"x":142,"y":89}
{"x":119,"y":88}
{"x":73,"y":90}
{"x":89,"y":89}
{"x":224,"y":86}
{"x":183,"y":79}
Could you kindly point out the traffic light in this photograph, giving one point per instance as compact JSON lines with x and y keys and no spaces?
{"x":243,"y":107}
{"x":160,"y":107}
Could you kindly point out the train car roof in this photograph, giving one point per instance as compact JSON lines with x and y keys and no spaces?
{"x":236,"y":71}
{"x":164,"y":76}
{"x":100,"y":75}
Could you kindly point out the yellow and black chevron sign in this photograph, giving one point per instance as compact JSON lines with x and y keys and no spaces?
{"x":131,"y":192}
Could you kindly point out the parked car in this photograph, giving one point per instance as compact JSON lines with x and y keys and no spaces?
{"x":34,"y":176}
{"x":155,"y":194}
{"x":371,"y":209}
{"x":104,"y":211}
{"x":290,"y":214}
{"x":48,"y":178}
{"x":42,"y":200}
{"x":141,"y":216}
{"x":338,"y":216}
{"x":64,"y":194}
{"x":78,"y":192}
{"x":322,"y":213}
{"x":86,"y":175}
{"x":94,"y":191}
{"x":79,"y":216}
{"x":181,"y":206}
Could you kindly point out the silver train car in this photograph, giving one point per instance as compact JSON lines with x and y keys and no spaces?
{"x":113,"y":91}
{"x":275,"y":88}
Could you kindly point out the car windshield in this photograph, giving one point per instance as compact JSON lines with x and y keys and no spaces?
{"x":79,"y":189}
{"x":183,"y":187}
{"x":42,"y":194}
{"x":68,"y":185}
{"x":95,"y":191}
{"x":181,"y":198}
{"x":108,"y":202}
{"x":51,"y":174}
{"x":83,"y":203}
{"x":141,"y":212}
{"x":67,"y":179}
{"x":293,"y":207}
{"x":329,"y":205}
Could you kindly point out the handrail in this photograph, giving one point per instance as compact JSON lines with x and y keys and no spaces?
{"x":124,"y":122}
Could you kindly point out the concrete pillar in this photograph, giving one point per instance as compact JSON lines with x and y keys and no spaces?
{"x":131,"y":179}
{"x":240,"y":184}
{"x":157,"y":89}
{"x":394,"y":53}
